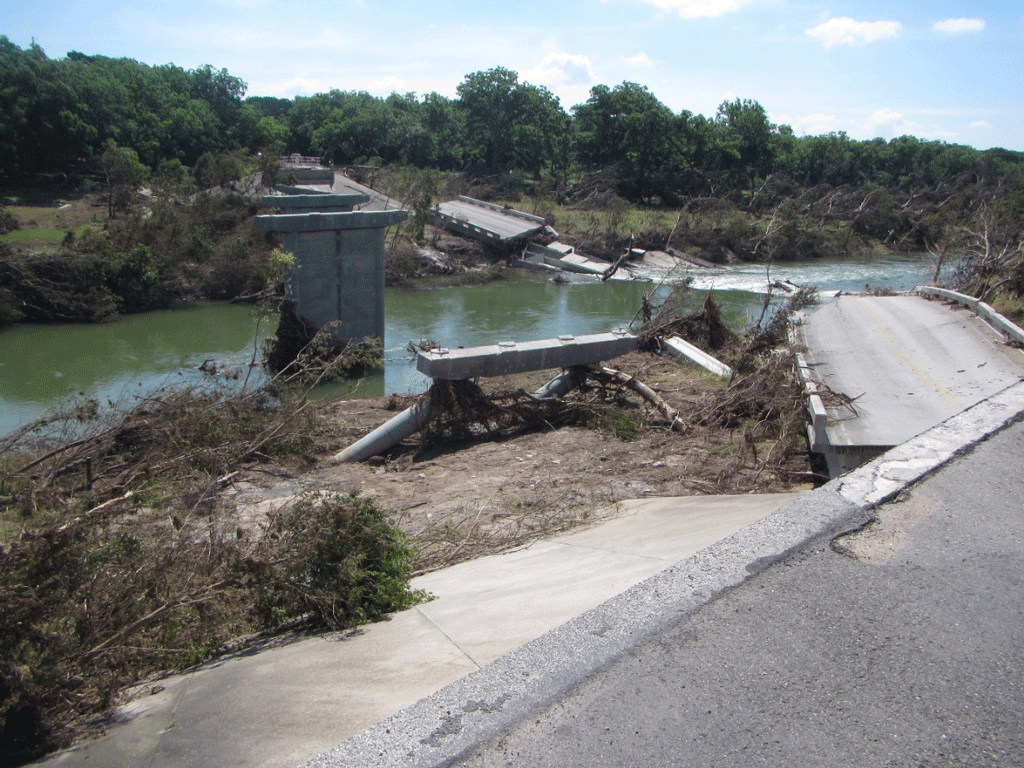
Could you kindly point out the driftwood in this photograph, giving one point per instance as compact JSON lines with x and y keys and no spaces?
{"x":608,"y":273}
{"x":610,"y":375}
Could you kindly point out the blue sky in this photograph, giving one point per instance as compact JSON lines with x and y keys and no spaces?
{"x":938,"y":70}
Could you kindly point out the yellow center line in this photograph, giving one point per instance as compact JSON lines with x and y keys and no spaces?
{"x":907,"y":358}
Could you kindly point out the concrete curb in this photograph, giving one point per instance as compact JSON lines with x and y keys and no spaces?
{"x":447,"y":726}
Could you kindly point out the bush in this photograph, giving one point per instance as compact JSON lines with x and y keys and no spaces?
{"x":8,"y":222}
{"x":336,"y":557}
{"x":90,"y":608}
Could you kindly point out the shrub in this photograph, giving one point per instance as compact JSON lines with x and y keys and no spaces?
{"x":337,"y":557}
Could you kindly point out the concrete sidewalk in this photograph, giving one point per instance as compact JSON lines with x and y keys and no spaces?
{"x":285,"y":702}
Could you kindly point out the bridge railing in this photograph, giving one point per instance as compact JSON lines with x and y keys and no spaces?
{"x":980,"y":308}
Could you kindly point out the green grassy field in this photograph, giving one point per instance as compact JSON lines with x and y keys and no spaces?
{"x":44,"y":227}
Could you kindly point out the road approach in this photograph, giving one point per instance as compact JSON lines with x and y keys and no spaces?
{"x":896,"y":644}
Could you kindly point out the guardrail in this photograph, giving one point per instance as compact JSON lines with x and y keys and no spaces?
{"x":299,"y":160}
{"x":817,"y":435}
{"x":980,"y":308}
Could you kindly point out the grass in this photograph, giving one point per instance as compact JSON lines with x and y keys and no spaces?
{"x":619,"y":220}
{"x":34,"y":237}
{"x":44,"y":227}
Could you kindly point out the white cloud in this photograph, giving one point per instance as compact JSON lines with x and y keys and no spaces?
{"x":698,"y":9}
{"x":640,"y":60}
{"x":387,"y":85}
{"x":888,"y":122}
{"x":813,"y":124}
{"x":843,"y":30}
{"x":560,"y":69}
{"x":297,"y":86}
{"x":981,"y":124}
{"x":959,"y":26}
{"x":885,"y":123}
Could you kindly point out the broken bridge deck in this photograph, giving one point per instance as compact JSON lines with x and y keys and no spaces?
{"x":486,"y":221}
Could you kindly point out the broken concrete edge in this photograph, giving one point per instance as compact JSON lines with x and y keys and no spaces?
{"x":449,"y":725}
{"x":980,"y":308}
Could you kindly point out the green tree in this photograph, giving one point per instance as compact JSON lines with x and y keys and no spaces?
{"x":627,"y":126}
{"x":510,"y":124}
{"x":488,"y":101}
{"x":443,"y":126}
{"x":749,"y":131}
{"x":354,"y":129}
{"x":223,"y":93}
{"x":124,"y":173}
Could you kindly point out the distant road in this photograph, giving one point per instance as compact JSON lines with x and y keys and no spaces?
{"x":910,"y":363}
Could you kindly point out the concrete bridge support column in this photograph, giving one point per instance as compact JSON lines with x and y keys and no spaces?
{"x":338,"y":276}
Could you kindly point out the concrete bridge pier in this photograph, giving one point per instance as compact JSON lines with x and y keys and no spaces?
{"x":338,"y":276}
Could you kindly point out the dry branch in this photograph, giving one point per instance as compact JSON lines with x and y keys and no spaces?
{"x":604,"y":374}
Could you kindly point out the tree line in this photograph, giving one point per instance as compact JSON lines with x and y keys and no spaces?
{"x":56,"y":114}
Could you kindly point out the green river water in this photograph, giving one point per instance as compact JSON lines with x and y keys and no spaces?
{"x":48,"y":366}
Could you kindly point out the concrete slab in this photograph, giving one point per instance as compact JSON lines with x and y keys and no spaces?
{"x":529,"y":592}
{"x":295,"y":697}
{"x":564,"y":257}
{"x":679,"y":348}
{"x":485,"y":221}
{"x":378,"y":201}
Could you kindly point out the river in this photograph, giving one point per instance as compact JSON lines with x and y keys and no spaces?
{"x":47,"y":366}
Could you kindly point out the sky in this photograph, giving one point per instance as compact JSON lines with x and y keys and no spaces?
{"x":936,"y":69}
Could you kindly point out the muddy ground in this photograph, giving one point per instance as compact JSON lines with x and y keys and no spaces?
{"x":460,"y":499}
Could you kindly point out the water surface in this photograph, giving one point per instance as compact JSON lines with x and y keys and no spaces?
{"x":42,"y":366}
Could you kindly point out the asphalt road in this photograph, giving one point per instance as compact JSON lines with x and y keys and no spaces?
{"x":896,"y":645}
{"x":909,"y":363}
